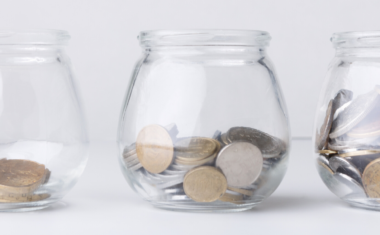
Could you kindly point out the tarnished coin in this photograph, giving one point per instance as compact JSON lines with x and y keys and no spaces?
{"x":15,"y":198}
{"x":20,"y":176}
{"x":195,"y":148}
{"x":371,"y":179}
{"x":323,"y":135}
{"x":205,"y":184}
{"x":270,"y":146}
{"x":241,"y":163}
{"x":369,"y":126}
{"x":341,"y":165}
{"x":354,"y":113}
{"x":357,"y":152}
{"x":155,"y":148}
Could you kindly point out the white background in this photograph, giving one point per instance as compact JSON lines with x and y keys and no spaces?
{"x":104,"y":47}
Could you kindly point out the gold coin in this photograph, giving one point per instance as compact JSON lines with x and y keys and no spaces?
{"x":205,"y":184}
{"x":195,"y":148}
{"x":240,"y":190}
{"x":154,"y":148}
{"x":327,"y":151}
{"x":198,"y":162}
{"x":20,"y":176}
{"x":371,"y":179}
{"x":359,"y":153}
{"x":232,"y":198}
{"x":13,"y":198}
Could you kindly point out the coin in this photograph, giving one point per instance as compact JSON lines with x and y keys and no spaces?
{"x":371,"y":179}
{"x":327,"y":151}
{"x":345,"y":142}
{"x":369,"y":126}
{"x":341,"y":165}
{"x":231,"y":197}
{"x":223,"y":137}
{"x":325,"y":128}
{"x":270,"y":146}
{"x":195,"y":148}
{"x":322,"y":161}
{"x":342,"y":97}
{"x":15,"y":198}
{"x":241,"y":163}
{"x":354,"y":113}
{"x":155,"y":148}
{"x":357,"y":152}
{"x":20,"y":176}
{"x":246,"y":192}
{"x":205,"y":184}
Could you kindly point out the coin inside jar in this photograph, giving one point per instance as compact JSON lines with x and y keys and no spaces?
{"x":205,"y":184}
{"x":241,"y":163}
{"x":371,"y":179}
{"x":20,"y":176}
{"x":325,"y":128}
{"x":195,"y":148}
{"x":154,"y":148}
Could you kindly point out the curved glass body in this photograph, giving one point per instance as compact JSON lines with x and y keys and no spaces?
{"x":43,"y":141}
{"x":203,"y":126}
{"x":347,"y":130}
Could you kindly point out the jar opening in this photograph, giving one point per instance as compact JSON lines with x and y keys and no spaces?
{"x":204,"y":38}
{"x":33,"y":37}
{"x":364,"y":39}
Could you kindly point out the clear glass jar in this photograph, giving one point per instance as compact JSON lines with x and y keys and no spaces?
{"x":347,"y":130}
{"x":43,"y":141}
{"x":204,"y":126}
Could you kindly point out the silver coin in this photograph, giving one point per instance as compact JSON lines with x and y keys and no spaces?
{"x":217,"y":135}
{"x":130,"y":150}
{"x":135,"y":167}
{"x":241,"y":163}
{"x":341,"y":109}
{"x":325,"y":128}
{"x":270,"y":146}
{"x":324,"y":162}
{"x":341,"y":185}
{"x":346,"y":142}
{"x":223,"y":137}
{"x":342,"y":97}
{"x":131,"y":162}
{"x":341,"y":165}
{"x":354,"y":113}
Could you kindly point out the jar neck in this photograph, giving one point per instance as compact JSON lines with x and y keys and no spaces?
{"x":203,"y":50}
{"x":358,"y":52}
{"x":26,"y":49}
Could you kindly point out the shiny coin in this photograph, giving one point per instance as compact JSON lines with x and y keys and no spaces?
{"x":371,"y":179}
{"x":241,"y":163}
{"x":205,"y":184}
{"x":354,"y":113}
{"x":232,"y":197}
{"x":195,"y":148}
{"x":15,"y":198}
{"x":20,"y":176}
{"x":217,"y":135}
{"x":357,"y":152}
{"x":327,"y":151}
{"x":223,"y":137}
{"x":129,"y":150}
{"x":322,"y":161}
{"x":270,"y":146}
{"x":198,"y":162}
{"x":155,"y":148}
{"x":246,"y":192}
{"x":341,"y":165}
{"x":325,"y":128}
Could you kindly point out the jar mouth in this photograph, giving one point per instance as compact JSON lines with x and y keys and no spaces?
{"x":33,"y":37}
{"x":204,"y":37}
{"x":365,"y":39}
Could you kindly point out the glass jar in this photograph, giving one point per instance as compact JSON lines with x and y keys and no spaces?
{"x":43,"y":141}
{"x":347,"y":125}
{"x":204,"y":126}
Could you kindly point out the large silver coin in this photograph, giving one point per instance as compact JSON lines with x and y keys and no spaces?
{"x":241,"y":163}
{"x":342,"y":97}
{"x":341,"y":165}
{"x":325,"y":128}
{"x":354,"y":113}
{"x":270,"y":146}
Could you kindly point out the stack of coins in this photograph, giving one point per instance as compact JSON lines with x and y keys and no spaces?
{"x":228,"y":167}
{"x":348,"y":143}
{"x":19,"y":179}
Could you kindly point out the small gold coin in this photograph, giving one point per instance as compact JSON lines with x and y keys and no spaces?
{"x":195,"y":148}
{"x":14,"y":198}
{"x":371,"y":179}
{"x":240,"y":190}
{"x":232,"y":198}
{"x":205,"y":184}
{"x":20,"y":176}
{"x":359,"y":153}
{"x":154,"y":148}
{"x":327,"y":151}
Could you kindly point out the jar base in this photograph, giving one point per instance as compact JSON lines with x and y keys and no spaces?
{"x":26,"y":206}
{"x":368,"y":204}
{"x":191,"y":206}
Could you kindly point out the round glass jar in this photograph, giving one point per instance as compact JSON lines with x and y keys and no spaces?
{"x":347,"y":124}
{"x":43,"y":141}
{"x":204,"y":126}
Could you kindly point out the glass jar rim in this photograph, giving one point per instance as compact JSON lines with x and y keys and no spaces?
{"x":33,"y":37}
{"x":204,"y":37}
{"x":365,"y":39}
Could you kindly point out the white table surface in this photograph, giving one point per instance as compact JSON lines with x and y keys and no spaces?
{"x":103,"y":203}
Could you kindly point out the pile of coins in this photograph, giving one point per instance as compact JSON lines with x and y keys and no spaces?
{"x":228,"y":167}
{"x":348,"y":144}
{"x":19,"y":179}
